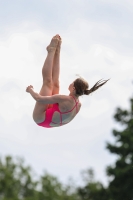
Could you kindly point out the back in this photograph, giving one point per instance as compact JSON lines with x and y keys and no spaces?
{"x":64,"y":113}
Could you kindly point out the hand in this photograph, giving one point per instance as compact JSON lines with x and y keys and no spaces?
{"x":29,"y":88}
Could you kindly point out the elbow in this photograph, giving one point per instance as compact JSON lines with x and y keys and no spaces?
{"x":37,"y":98}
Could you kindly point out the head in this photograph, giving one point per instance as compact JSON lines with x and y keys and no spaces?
{"x":81,"y":87}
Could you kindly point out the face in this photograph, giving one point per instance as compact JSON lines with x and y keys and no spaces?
{"x":71,"y":87}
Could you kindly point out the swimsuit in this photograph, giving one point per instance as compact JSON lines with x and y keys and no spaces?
{"x":50,"y":112}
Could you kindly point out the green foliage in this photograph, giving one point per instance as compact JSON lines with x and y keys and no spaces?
{"x":121,"y":174}
{"x":121,"y":184}
{"x":52,"y":189}
{"x":15,"y":180}
{"x":93,"y":190}
{"x":16,"y":183}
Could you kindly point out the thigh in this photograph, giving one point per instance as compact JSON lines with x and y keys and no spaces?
{"x":39,"y":109}
{"x":56,"y":88}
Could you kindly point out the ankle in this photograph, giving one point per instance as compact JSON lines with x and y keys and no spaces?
{"x":57,"y":52}
{"x":51,"y":49}
{"x":51,"y":52}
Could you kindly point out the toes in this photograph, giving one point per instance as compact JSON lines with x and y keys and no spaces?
{"x":55,"y":42}
{"x":57,"y":36}
{"x":54,"y":37}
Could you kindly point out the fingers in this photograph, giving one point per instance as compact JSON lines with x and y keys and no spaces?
{"x":28,"y":88}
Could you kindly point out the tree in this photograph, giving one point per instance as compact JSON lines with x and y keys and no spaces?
{"x":121,"y":174}
{"x":93,"y":190}
{"x":16,"y":183}
{"x":16,"y":180}
{"x":52,"y":189}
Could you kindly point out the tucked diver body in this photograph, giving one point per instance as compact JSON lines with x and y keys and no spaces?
{"x":51,"y":108}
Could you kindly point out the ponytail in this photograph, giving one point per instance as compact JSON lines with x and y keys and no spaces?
{"x":95,"y":87}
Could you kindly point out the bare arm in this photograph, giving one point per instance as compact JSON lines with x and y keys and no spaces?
{"x":45,"y":99}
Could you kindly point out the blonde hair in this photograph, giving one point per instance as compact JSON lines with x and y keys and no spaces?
{"x":81,"y":86}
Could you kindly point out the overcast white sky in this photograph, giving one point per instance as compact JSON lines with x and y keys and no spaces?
{"x":97,"y":43}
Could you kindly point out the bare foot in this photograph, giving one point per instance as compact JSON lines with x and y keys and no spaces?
{"x":59,"y":44}
{"x":53,"y":44}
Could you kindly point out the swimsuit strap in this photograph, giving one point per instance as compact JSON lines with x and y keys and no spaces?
{"x":76,"y":102}
{"x":57,"y":108}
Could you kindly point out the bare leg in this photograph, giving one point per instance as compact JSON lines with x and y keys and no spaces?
{"x":56,"y":69}
{"x":47,"y":87}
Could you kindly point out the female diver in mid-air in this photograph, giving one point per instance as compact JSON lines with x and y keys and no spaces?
{"x":51,"y":108}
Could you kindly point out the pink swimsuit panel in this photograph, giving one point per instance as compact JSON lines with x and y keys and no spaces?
{"x":50,"y":112}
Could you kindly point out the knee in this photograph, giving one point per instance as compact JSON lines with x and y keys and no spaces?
{"x":56,"y":84}
{"x":48,"y":82}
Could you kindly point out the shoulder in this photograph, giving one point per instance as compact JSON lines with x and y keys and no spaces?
{"x":70,"y":102}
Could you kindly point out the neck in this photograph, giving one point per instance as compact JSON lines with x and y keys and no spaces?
{"x":72,"y":94}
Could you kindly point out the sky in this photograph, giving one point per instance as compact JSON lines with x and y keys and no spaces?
{"x":97,"y":42}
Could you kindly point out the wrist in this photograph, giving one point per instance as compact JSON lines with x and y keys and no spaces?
{"x":34,"y":94}
{"x":31,"y":90}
